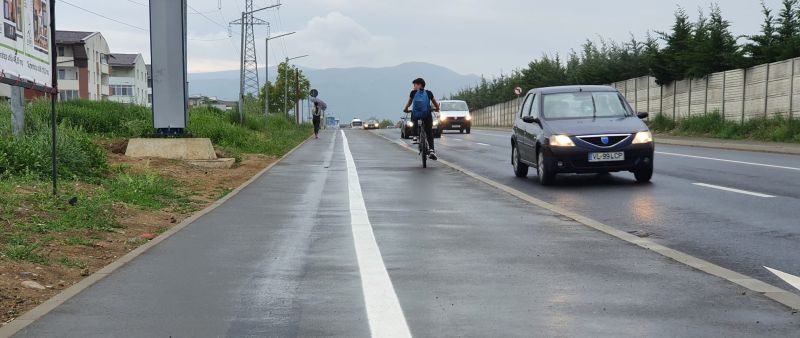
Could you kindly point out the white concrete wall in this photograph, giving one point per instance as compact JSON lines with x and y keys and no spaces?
{"x":741,"y":94}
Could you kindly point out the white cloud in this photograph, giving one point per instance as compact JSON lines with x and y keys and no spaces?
{"x":336,"y":39}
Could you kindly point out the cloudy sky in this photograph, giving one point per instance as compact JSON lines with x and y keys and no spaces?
{"x":468,"y":36}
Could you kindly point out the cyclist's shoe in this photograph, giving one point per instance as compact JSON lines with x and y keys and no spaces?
{"x":432,"y":155}
{"x":415,"y":140}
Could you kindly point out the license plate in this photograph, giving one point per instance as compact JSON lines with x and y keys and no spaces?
{"x":607,"y":157}
{"x":456,"y":126}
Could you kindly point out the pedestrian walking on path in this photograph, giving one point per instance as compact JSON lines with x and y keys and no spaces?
{"x":317,"y":119}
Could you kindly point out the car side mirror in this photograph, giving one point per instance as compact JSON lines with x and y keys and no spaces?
{"x":530,"y":119}
{"x":643,"y":115}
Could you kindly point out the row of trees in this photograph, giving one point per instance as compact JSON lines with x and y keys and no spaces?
{"x":691,"y":49}
{"x":288,"y":75}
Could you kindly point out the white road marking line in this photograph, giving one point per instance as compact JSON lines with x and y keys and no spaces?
{"x":495,"y":135}
{"x":733,"y":190}
{"x":384,"y":313}
{"x":729,"y":161}
{"x":482,"y":144}
{"x":457,"y":139}
{"x":790,"y":279}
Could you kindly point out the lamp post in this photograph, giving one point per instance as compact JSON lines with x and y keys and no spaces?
{"x":286,"y":82}
{"x":266,"y":99}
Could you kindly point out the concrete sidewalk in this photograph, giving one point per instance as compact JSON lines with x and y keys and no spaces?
{"x":465,"y":259}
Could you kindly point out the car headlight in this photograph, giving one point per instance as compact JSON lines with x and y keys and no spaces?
{"x":469,"y":117}
{"x":409,"y":124}
{"x":561,"y":141}
{"x":435,"y":122}
{"x":643,"y":137}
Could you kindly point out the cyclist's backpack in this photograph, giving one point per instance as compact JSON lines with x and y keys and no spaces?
{"x":422,"y":104}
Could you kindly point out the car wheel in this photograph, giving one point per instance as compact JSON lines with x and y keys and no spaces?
{"x":545,"y":173}
{"x":461,"y":131}
{"x":520,"y":169}
{"x":438,"y":135}
{"x":644,"y":175}
{"x":468,"y":130}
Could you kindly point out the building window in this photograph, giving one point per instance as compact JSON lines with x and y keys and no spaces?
{"x":68,"y":95}
{"x":62,"y":73}
{"x":103,"y":59}
{"x":61,"y":51}
{"x":121,"y":90}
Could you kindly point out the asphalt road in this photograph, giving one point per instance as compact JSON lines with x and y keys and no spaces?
{"x":740,"y":231}
{"x":350,"y":237}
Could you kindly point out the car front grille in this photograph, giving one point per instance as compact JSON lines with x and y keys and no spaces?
{"x":612,"y":140}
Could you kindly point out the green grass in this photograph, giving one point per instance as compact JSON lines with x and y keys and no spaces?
{"x":31,"y":218}
{"x":772,"y":129}
{"x":147,"y":191}
{"x":71,"y":263}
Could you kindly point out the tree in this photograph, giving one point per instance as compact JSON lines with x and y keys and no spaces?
{"x":672,"y":63}
{"x":763,"y":48}
{"x":386,"y":123}
{"x":788,"y":30}
{"x":714,"y":48}
{"x":277,"y":91}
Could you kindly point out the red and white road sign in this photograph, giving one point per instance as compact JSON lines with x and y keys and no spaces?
{"x":518,"y":91}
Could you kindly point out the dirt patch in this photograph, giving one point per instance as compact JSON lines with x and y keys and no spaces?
{"x":79,"y":253}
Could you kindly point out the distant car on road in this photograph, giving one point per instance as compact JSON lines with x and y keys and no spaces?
{"x":372,"y":124}
{"x":407,"y":127}
{"x":455,"y":116}
{"x":580,"y":129}
{"x":356,"y":124}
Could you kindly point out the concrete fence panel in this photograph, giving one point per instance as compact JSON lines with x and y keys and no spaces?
{"x":734,"y":94}
{"x":682,"y":96}
{"x":780,"y":83}
{"x":697,"y":96}
{"x":716,"y":84}
{"x":755,"y":92}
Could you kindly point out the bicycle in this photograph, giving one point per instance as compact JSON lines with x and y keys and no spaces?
{"x":423,"y":142}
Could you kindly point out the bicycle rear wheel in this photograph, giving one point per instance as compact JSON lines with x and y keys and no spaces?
{"x":423,"y":148}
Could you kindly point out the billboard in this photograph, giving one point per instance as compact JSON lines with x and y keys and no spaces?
{"x":25,"y":44}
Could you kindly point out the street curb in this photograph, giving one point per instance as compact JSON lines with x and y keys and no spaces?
{"x":770,"y":291}
{"x":775,"y":148}
{"x":19,"y":323}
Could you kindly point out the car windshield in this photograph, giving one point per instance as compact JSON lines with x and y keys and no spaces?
{"x":454,"y":106}
{"x":584,"y":105}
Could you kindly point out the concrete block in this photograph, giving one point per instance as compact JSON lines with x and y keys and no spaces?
{"x":222,"y":163}
{"x":172,"y":148}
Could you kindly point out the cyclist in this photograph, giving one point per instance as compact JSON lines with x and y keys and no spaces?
{"x":422,"y":99}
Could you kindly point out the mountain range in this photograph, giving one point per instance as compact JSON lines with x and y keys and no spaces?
{"x":351,"y":92}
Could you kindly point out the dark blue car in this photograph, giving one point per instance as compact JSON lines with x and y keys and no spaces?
{"x":580,"y":129}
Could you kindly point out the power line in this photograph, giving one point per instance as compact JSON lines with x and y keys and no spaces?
{"x":103,"y":16}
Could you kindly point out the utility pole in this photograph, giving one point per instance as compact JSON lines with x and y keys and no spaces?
{"x":286,"y":80}
{"x":248,"y":71}
{"x":266,"y":99}
{"x":297,"y":111}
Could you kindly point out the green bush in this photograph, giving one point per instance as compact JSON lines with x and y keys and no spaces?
{"x":78,"y":157}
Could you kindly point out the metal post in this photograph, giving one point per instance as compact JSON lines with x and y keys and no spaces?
{"x":705,"y":104}
{"x":791,"y":92}
{"x":241,"y":75}
{"x":674,"y":98}
{"x":53,"y":96}
{"x":724,"y":89}
{"x":297,"y":95}
{"x":744,"y":92}
{"x":766,"y":92}
{"x":689,"y":112}
{"x":267,"y":83}
{"x":286,"y":86}
{"x":18,"y":110}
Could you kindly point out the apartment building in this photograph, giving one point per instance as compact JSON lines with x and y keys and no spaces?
{"x":128,"y":79}
{"x":83,"y":70}
{"x":149,"y":85}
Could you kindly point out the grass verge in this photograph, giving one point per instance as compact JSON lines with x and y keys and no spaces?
{"x":770,"y":129}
